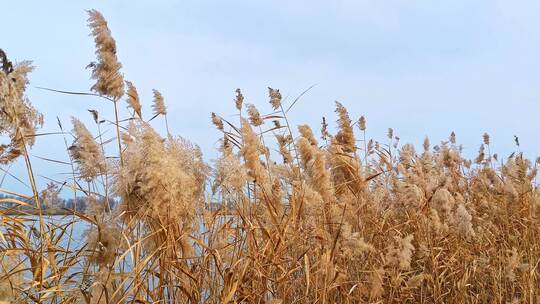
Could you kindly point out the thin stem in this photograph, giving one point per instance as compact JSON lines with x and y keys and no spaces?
{"x":74,"y":192}
{"x":106,"y":179}
{"x":265,"y":154}
{"x":365,"y":148}
{"x":167,"y":125}
{"x":290,"y":133}
{"x":118,"y":132}
{"x":42,"y":231}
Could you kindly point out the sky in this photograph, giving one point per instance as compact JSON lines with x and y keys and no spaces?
{"x":423,"y":68}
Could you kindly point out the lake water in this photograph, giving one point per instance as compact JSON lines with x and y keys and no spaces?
{"x":75,"y":227}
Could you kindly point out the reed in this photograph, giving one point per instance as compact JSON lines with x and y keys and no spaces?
{"x":337,"y":220}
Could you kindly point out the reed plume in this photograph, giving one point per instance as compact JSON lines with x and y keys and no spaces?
{"x":106,"y":71}
{"x":159,"y":104}
{"x":133,"y":99}
{"x":345,"y":136}
{"x":19,"y":120}
{"x":86,"y":152}
{"x":239,"y":100}
{"x":254,"y":116}
{"x":275,"y":98}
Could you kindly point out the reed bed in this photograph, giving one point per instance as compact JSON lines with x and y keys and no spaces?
{"x":284,"y":215}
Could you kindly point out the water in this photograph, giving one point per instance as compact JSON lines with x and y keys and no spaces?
{"x":73,"y":239}
{"x":74,"y":227}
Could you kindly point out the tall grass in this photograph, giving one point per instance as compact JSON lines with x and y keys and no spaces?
{"x":277,"y":218}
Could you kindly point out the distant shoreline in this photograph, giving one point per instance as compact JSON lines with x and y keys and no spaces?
{"x":35,"y":212}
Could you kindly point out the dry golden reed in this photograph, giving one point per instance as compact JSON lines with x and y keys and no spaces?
{"x":19,"y":120}
{"x":159,"y":104}
{"x":133,"y":99}
{"x":86,"y":152}
{"x":106,"y":71}
{"x":337,"y":220}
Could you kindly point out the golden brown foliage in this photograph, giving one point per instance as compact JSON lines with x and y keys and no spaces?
{"x":329,"y":222}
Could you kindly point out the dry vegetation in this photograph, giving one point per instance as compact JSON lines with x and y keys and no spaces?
{"x":335,"y":218}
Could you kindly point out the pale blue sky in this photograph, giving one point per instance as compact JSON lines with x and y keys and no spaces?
{"x":420,"y":67}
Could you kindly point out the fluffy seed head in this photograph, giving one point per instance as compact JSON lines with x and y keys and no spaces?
{"x":19,"y":119}
{"x":254,"y":116}
{"x":390,"y":133}
{"x":275,"y":98}
{"x":306,"y":132}
{"x":239,"y":99}
{"x":230,"y":172}
{"x":486,"y":138}
{"x":463,"y":221}
{"x":362,"y":123}
{"x":345,"y":136}
{"x":86,"y":152}
{"x":158,"y":106}
{"x":251,"y":152}
{"x":217,"y":121}
{"x":162,"y":177}
{"x":283,"y":143}
{"x":106,"y":71}
{"x":481,"y":155}
{"x":452,"y":137}
{"x":133,"y":99}
{"x":426,"y":144}
{"x":324,"y":130}
{"x":103,"y":243}
{"x":401,"y":253}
